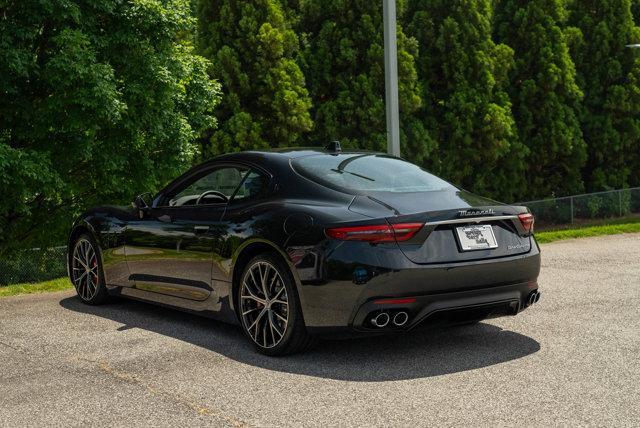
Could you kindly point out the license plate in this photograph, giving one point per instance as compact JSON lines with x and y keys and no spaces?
{"x":476,"y":238}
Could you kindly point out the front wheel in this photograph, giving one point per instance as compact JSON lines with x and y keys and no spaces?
{"x":86,"y":271}
{"x":269,"y":307}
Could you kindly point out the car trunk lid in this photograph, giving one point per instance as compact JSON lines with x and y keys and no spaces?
{"x":458,"y":226}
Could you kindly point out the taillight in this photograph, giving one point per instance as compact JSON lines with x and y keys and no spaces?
{"x":375,"y":233}
{"x":527,"y":221}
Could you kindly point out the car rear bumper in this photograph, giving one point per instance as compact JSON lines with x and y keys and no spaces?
{"x":351,"y":292}
{"x":447,"y":308}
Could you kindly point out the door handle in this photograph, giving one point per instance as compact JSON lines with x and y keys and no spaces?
{"x":200,"y":229}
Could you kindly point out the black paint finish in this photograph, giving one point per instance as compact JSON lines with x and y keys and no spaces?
{"x":191,"y":256}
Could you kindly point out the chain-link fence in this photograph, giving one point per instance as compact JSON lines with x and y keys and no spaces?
{"x":33,"y":265}
{"x":584,"y":209}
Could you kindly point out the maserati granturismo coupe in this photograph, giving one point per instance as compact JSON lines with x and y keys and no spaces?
{"x":294,"y":244}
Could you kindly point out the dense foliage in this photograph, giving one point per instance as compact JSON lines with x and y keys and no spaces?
{"x":252,"y":48}
{"x":343,"y":60}
{"x":514,"y":99}
{"x":469,"y":111}
{"x":99,"y":100}
{"x":609,"y":75}
{"x":544,"y":94}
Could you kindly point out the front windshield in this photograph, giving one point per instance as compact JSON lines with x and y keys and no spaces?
{"x":368,"y":172}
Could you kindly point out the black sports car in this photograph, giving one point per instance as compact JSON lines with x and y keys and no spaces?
{"x":291,"y":244}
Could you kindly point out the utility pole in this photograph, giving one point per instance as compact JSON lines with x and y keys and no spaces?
{"x":391,"y":77}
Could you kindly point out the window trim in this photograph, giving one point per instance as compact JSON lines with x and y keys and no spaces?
{"x":160,"y":201}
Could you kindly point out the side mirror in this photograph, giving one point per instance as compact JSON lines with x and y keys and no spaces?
{"x":141,"y":204}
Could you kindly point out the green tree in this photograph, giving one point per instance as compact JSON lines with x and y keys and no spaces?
{"x":544,"y":93}
{"x":252,"y":48}
{"x":343,"y":61}
{"x":98,"y":101}
{"x":609,"y":75}
{"x":464,"y":76}
{"x":635,"y":10}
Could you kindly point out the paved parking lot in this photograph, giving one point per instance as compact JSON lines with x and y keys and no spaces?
{"x":572,"y":360}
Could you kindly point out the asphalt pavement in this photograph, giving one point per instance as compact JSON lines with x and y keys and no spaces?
{"x":573,"y":359}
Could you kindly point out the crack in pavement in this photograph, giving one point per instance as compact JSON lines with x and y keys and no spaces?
{"x":106,"y":368}
{"x":12,"y":347}
{"x":124,"y":376}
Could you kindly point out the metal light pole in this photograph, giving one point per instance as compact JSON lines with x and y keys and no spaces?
{"x":391,"y":77}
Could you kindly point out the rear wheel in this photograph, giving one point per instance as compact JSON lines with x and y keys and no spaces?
{"x":269,"y":307}
{"x":86,"y":271}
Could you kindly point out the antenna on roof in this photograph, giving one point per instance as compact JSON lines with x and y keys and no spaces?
{"x":334,"y":147}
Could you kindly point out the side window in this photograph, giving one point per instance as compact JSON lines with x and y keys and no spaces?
{"x":253,"y":185}
{"x":219,"y":182}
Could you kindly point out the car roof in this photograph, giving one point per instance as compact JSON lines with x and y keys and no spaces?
{"x":286,"y":153}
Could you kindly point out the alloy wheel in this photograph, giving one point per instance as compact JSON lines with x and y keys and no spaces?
{"x":264,"y":304}
{"x":85,"y":269}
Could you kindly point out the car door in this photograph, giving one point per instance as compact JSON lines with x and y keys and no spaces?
{"x":243,"y":219}
{"x":171,"y":249}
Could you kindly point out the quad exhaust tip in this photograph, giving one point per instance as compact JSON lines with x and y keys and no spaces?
{"x":534,"y":297}
{"x":400,"y":319}
{"x":381,"y":320}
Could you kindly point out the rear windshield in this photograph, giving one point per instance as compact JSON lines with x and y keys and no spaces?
{"x":368,"y":172}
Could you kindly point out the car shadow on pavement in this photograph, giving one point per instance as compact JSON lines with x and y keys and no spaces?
{"x":419,"y":354}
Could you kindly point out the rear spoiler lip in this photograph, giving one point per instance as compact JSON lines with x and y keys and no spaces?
{"x":515,"y":220}
{"x":467,"y":220}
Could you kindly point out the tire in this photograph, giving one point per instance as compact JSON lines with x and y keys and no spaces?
{"x":273,"y":327}
{"x":85,"y":271}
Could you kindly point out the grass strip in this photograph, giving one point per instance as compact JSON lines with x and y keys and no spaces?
{"x":37,"y":287}
{"x":587,"y":232}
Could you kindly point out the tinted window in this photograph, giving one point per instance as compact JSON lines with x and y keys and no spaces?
{"x":253,"y":185}
{"x":223,"y":180}
{"x":377,"y":173}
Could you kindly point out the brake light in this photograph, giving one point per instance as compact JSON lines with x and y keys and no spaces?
{"x":527,"y":221}
{"x":375,"y":233}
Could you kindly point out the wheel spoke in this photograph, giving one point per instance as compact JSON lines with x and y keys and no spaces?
{"x":273,"y":280}
{"x":258,"y":318}
{"x":88,"y":288}
{"x":255,"y":283}
{"x":271,"y":328}
{"x":264,"y":333}
{"x":274,"y":324}
{"x":275,"y":298}
{"x":79,"y":279}
{"x":263,"y":281}
{"x":92,"y":288}
{"x":84,"y":252}
{"x":83,"y":288}
{"x":249,"y":311}
{"x":284,"y":320}
{"x":254,"y":298}
{"x":252,"y":295}
{"x":75,"y":257}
